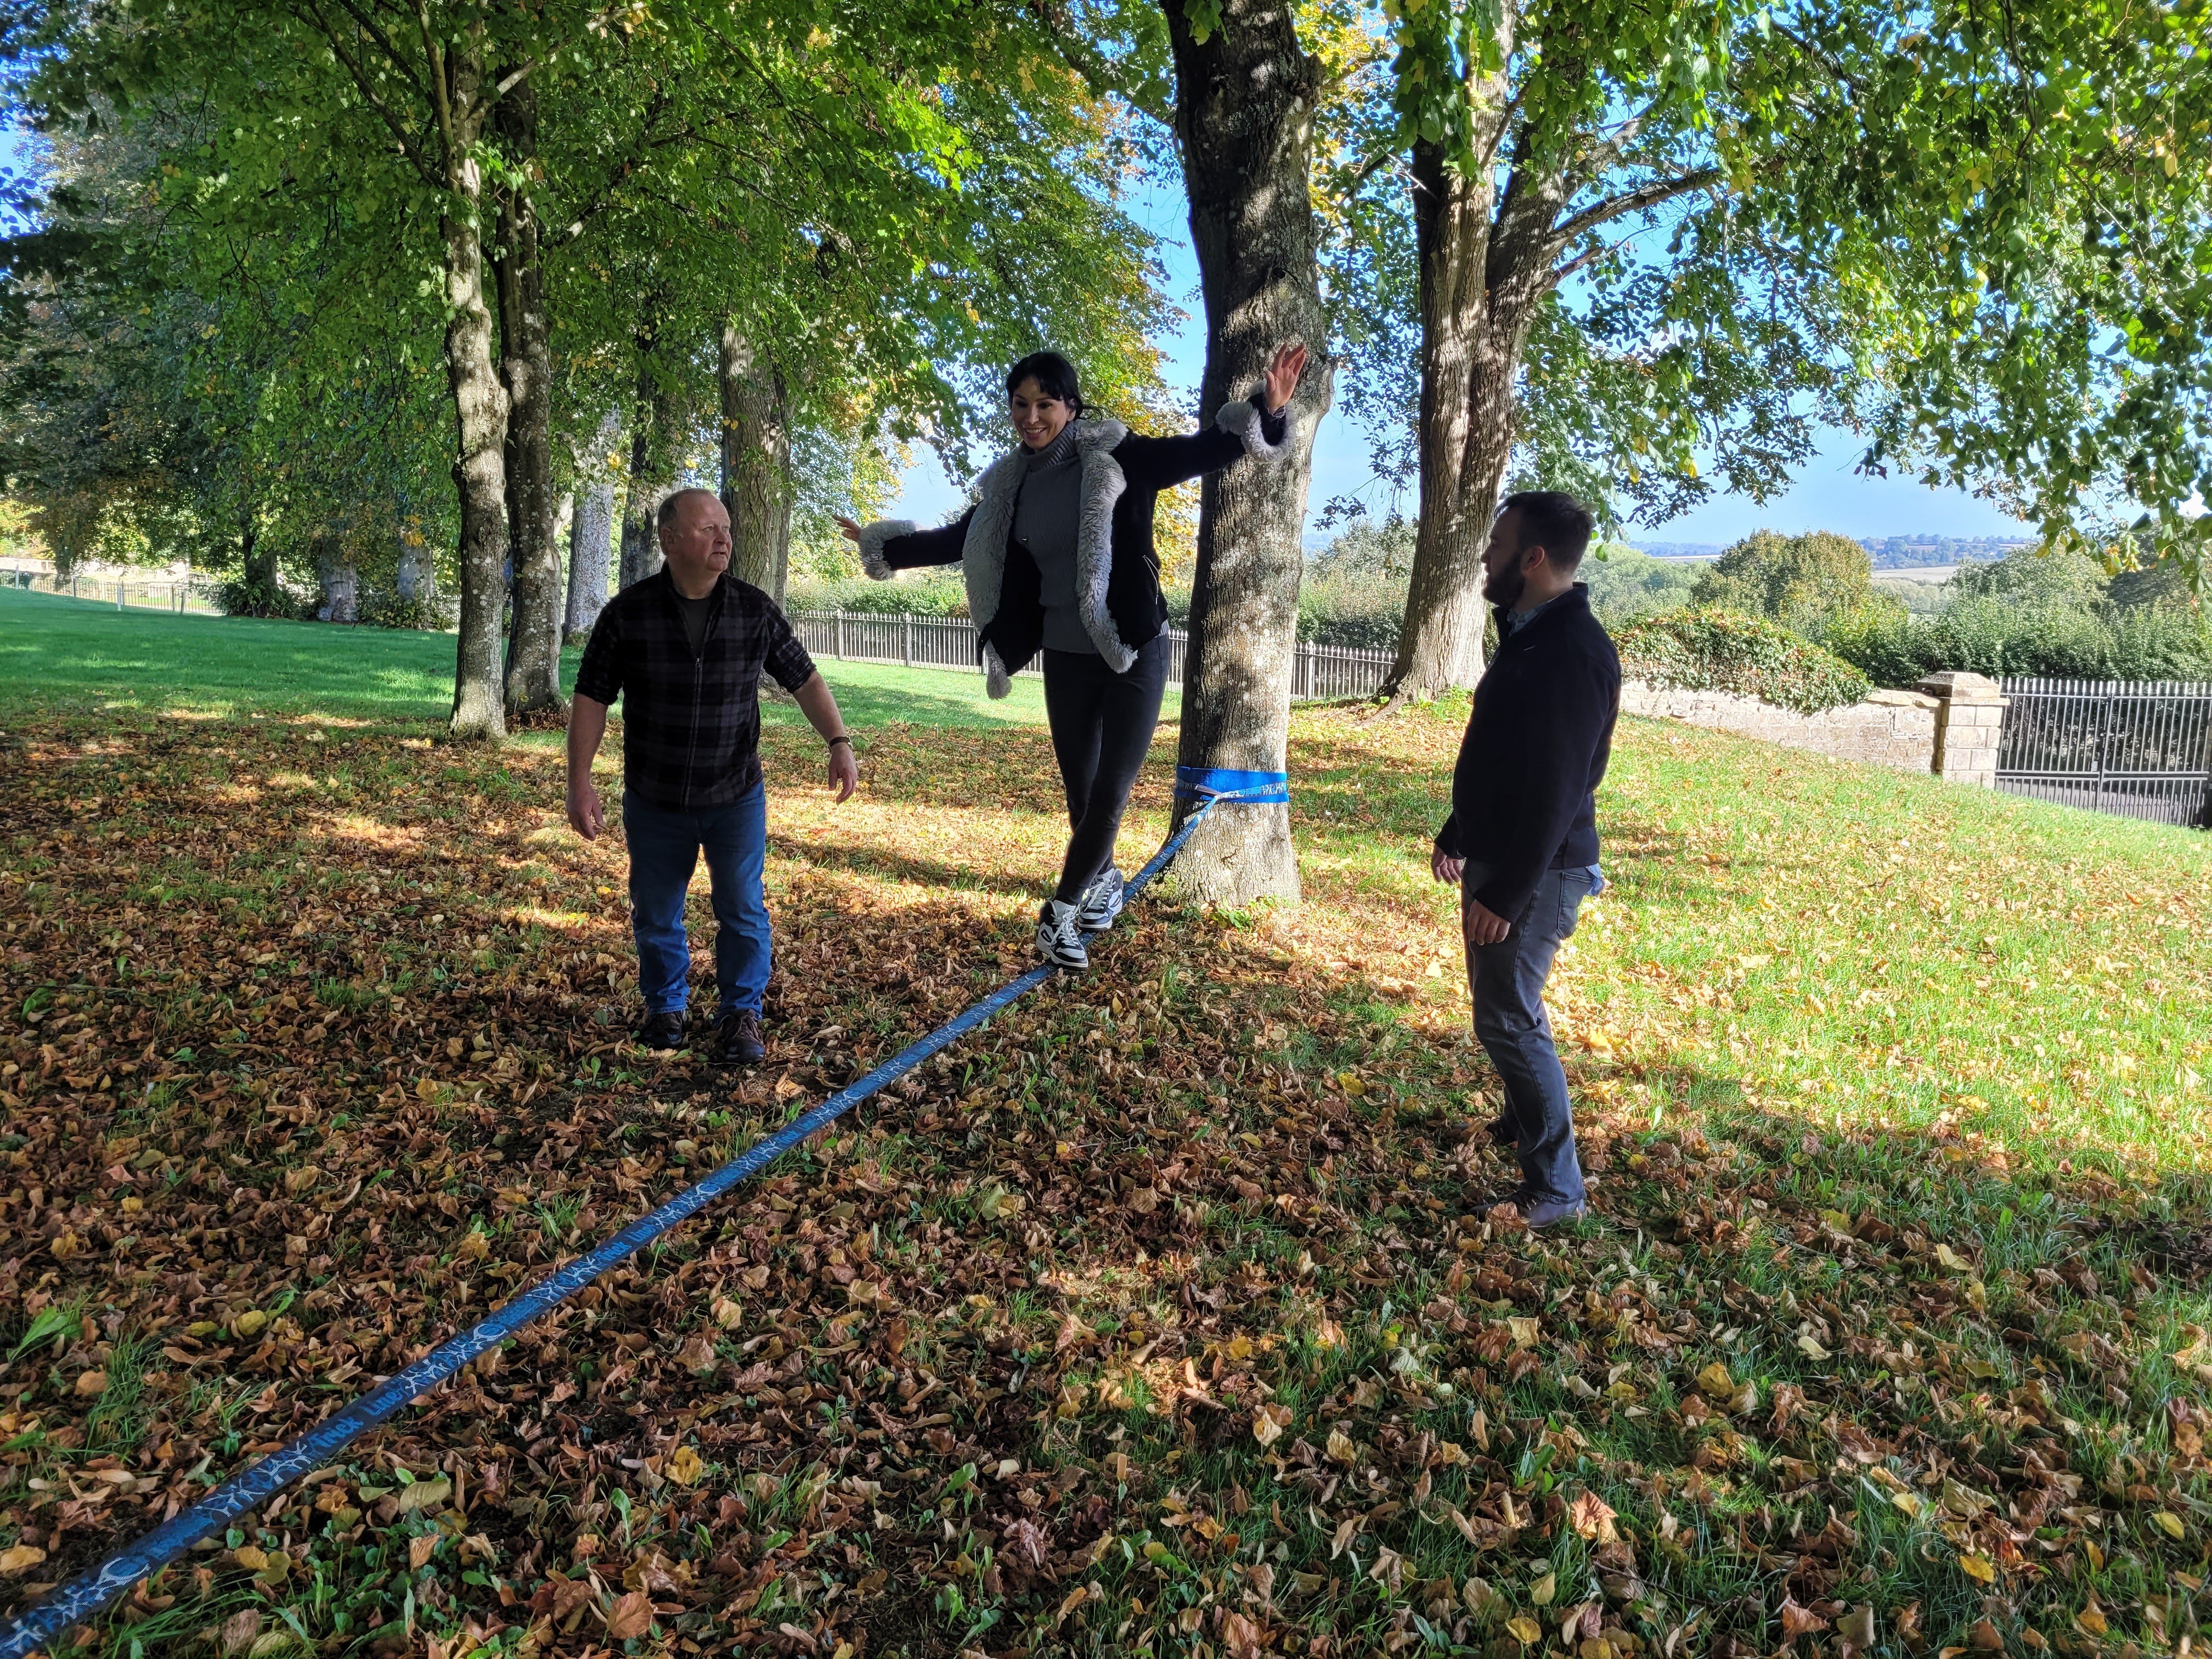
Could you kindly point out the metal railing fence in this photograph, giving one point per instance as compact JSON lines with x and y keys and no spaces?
{"x":194,"y":596}
{"x":1317,"y":672}
{"x":2138,"y":749}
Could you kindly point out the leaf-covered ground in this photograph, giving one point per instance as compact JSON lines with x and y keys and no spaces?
{"x":1151,"y":1319}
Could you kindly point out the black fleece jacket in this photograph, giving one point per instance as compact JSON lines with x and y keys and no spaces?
{"x":1524,"y":793}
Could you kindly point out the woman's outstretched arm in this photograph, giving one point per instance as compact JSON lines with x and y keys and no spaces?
{"x":889,"y":545}
{"x":1256,"y":426}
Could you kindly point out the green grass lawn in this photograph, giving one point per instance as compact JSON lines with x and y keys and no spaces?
{"x":59,"y":653}
{"x":1151,"y":1318}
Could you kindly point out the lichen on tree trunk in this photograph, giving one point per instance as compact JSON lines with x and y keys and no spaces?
{"x":651,"y":465}
{"x":591,"y":536}
{"x":480,"y":479}
{"x":1245,"y":99}
{"x":533,"y":657}
{"x":755,"y":464}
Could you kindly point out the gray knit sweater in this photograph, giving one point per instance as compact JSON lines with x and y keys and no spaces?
{"x":1046,"y":514}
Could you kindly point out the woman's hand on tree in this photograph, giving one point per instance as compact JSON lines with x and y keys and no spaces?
{"x":852,"y":531}
{"x":1290,"y":363}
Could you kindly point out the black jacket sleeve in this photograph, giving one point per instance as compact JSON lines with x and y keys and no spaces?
{"x":1163,"y":463}
{"x":1543,"y":767}
{"x":890,"y":545}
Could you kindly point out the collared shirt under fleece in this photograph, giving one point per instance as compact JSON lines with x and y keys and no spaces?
{"x":690,"y":717}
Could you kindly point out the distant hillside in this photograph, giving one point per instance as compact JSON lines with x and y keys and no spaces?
{"x":1887,"y":552}
{"x":1905,"y":552}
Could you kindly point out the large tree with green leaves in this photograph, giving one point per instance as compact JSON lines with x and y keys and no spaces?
{"x":1648,"y":238}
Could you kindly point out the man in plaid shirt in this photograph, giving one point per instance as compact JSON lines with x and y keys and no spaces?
{"x":684,"y":649}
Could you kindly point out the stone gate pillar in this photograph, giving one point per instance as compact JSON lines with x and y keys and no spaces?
{"x":1969,"y":717}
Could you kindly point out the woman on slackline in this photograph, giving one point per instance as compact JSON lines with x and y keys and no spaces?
{"x":1057,"y":552}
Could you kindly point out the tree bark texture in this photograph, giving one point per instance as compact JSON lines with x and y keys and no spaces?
{"x":756,"y":465}
{"x":652,"y":468}
{"x":533,"y":657}
{"x":591,"y":537}
{"x":339,"y":580}
{"x":256,"y":558}
{"x":1465,"y":438}
{"x":1486,"y":261}
{"x":480,"y":418}
{"x":1245,"y":110}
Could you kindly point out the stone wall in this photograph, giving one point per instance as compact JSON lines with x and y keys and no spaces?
{"x":1888,"y":728}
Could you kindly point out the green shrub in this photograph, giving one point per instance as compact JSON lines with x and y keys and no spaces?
{"x":239,"y":596}
{"x":937,"y":593}
{"x":1800,"y":580}
{"x":1625,"y":584}
{"x":425,"y":608}
{"x":1725,"y":650}
{"x":1999,"y":637}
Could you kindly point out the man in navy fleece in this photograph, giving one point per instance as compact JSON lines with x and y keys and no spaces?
{"x":1521,"y":839}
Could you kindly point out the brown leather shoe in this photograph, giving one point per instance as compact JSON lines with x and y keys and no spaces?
{"x":738,"y":1040}
{"x":662,"y":1030}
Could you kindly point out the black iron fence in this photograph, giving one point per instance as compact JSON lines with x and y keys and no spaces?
{"x":2142,"y":749}
{"x":1317,"y":672}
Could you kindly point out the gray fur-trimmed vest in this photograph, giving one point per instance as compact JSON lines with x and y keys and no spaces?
{"x":1117,"y":583}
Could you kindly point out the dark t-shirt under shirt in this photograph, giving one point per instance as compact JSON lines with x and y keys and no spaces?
{"x":695,"y":618}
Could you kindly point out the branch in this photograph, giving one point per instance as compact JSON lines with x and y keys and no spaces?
{"x":1644,"y":196}
{"x":408,"y":147}
{"x":1099,"y":71}
{"x":1814,"y":52}
{"x":500,"y":89}
{"x":369,"y":27}
{"x":437,"y":62}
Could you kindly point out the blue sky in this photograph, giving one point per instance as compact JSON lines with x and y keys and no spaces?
{"x":1827,"y":494}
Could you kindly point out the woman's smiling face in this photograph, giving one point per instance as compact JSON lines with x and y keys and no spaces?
{"x":1038,"y":417}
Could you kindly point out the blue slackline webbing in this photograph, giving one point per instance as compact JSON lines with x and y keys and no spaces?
{"x":87,"y":1594}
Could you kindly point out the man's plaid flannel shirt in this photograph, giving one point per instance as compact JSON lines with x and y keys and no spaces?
{"x":690,"y":725}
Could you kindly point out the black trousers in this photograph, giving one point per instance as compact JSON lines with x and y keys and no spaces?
{"x":1102,"y":728}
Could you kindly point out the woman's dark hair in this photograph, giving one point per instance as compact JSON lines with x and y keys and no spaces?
{"x":1053,"y":374}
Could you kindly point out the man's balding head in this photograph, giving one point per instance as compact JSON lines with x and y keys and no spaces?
{"x":695,"y":539}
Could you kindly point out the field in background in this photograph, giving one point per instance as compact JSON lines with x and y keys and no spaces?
{"x":59,"y":653}
{"x":1153,"y":1316}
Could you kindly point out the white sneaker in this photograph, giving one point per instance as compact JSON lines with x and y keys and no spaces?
{"x":1103,"y":902}
{"x":1060,"y":936}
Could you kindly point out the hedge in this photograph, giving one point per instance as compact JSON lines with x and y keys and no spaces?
{"x":1722,"y":651}
{"x":1997,"y":637}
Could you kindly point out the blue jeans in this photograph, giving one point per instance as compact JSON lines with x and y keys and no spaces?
{"x":1507,"y":983}
{"x":664,"y":850}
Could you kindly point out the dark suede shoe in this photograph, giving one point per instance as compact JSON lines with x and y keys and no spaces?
{"x":662,"y":1030}
{"x":738,"y":1038}
{"x":1502,"y":1131}
{"x":1517,"y":1198}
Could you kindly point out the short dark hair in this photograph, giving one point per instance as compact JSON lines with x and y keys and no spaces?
{"x":1554,"y":520}
{"x":666,"y":515}
{"x":1053,"y":374}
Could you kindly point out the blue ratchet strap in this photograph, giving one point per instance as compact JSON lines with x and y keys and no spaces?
{"x":1214,"y":783}
{"x":248,"y":1491}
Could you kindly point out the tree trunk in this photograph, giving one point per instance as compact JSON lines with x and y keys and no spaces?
{"x":591,"y":538}
{"x":533,"y":659}
{"x":1486,"y":260}
{"x":756,"y":465}
{"x":480,"y":418}
{"x":1244,"y":109}
{"x":340,"y":582}
{"x":1466,"y":435}
{"x":256,"y":558}
{"x":652,"y":468}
